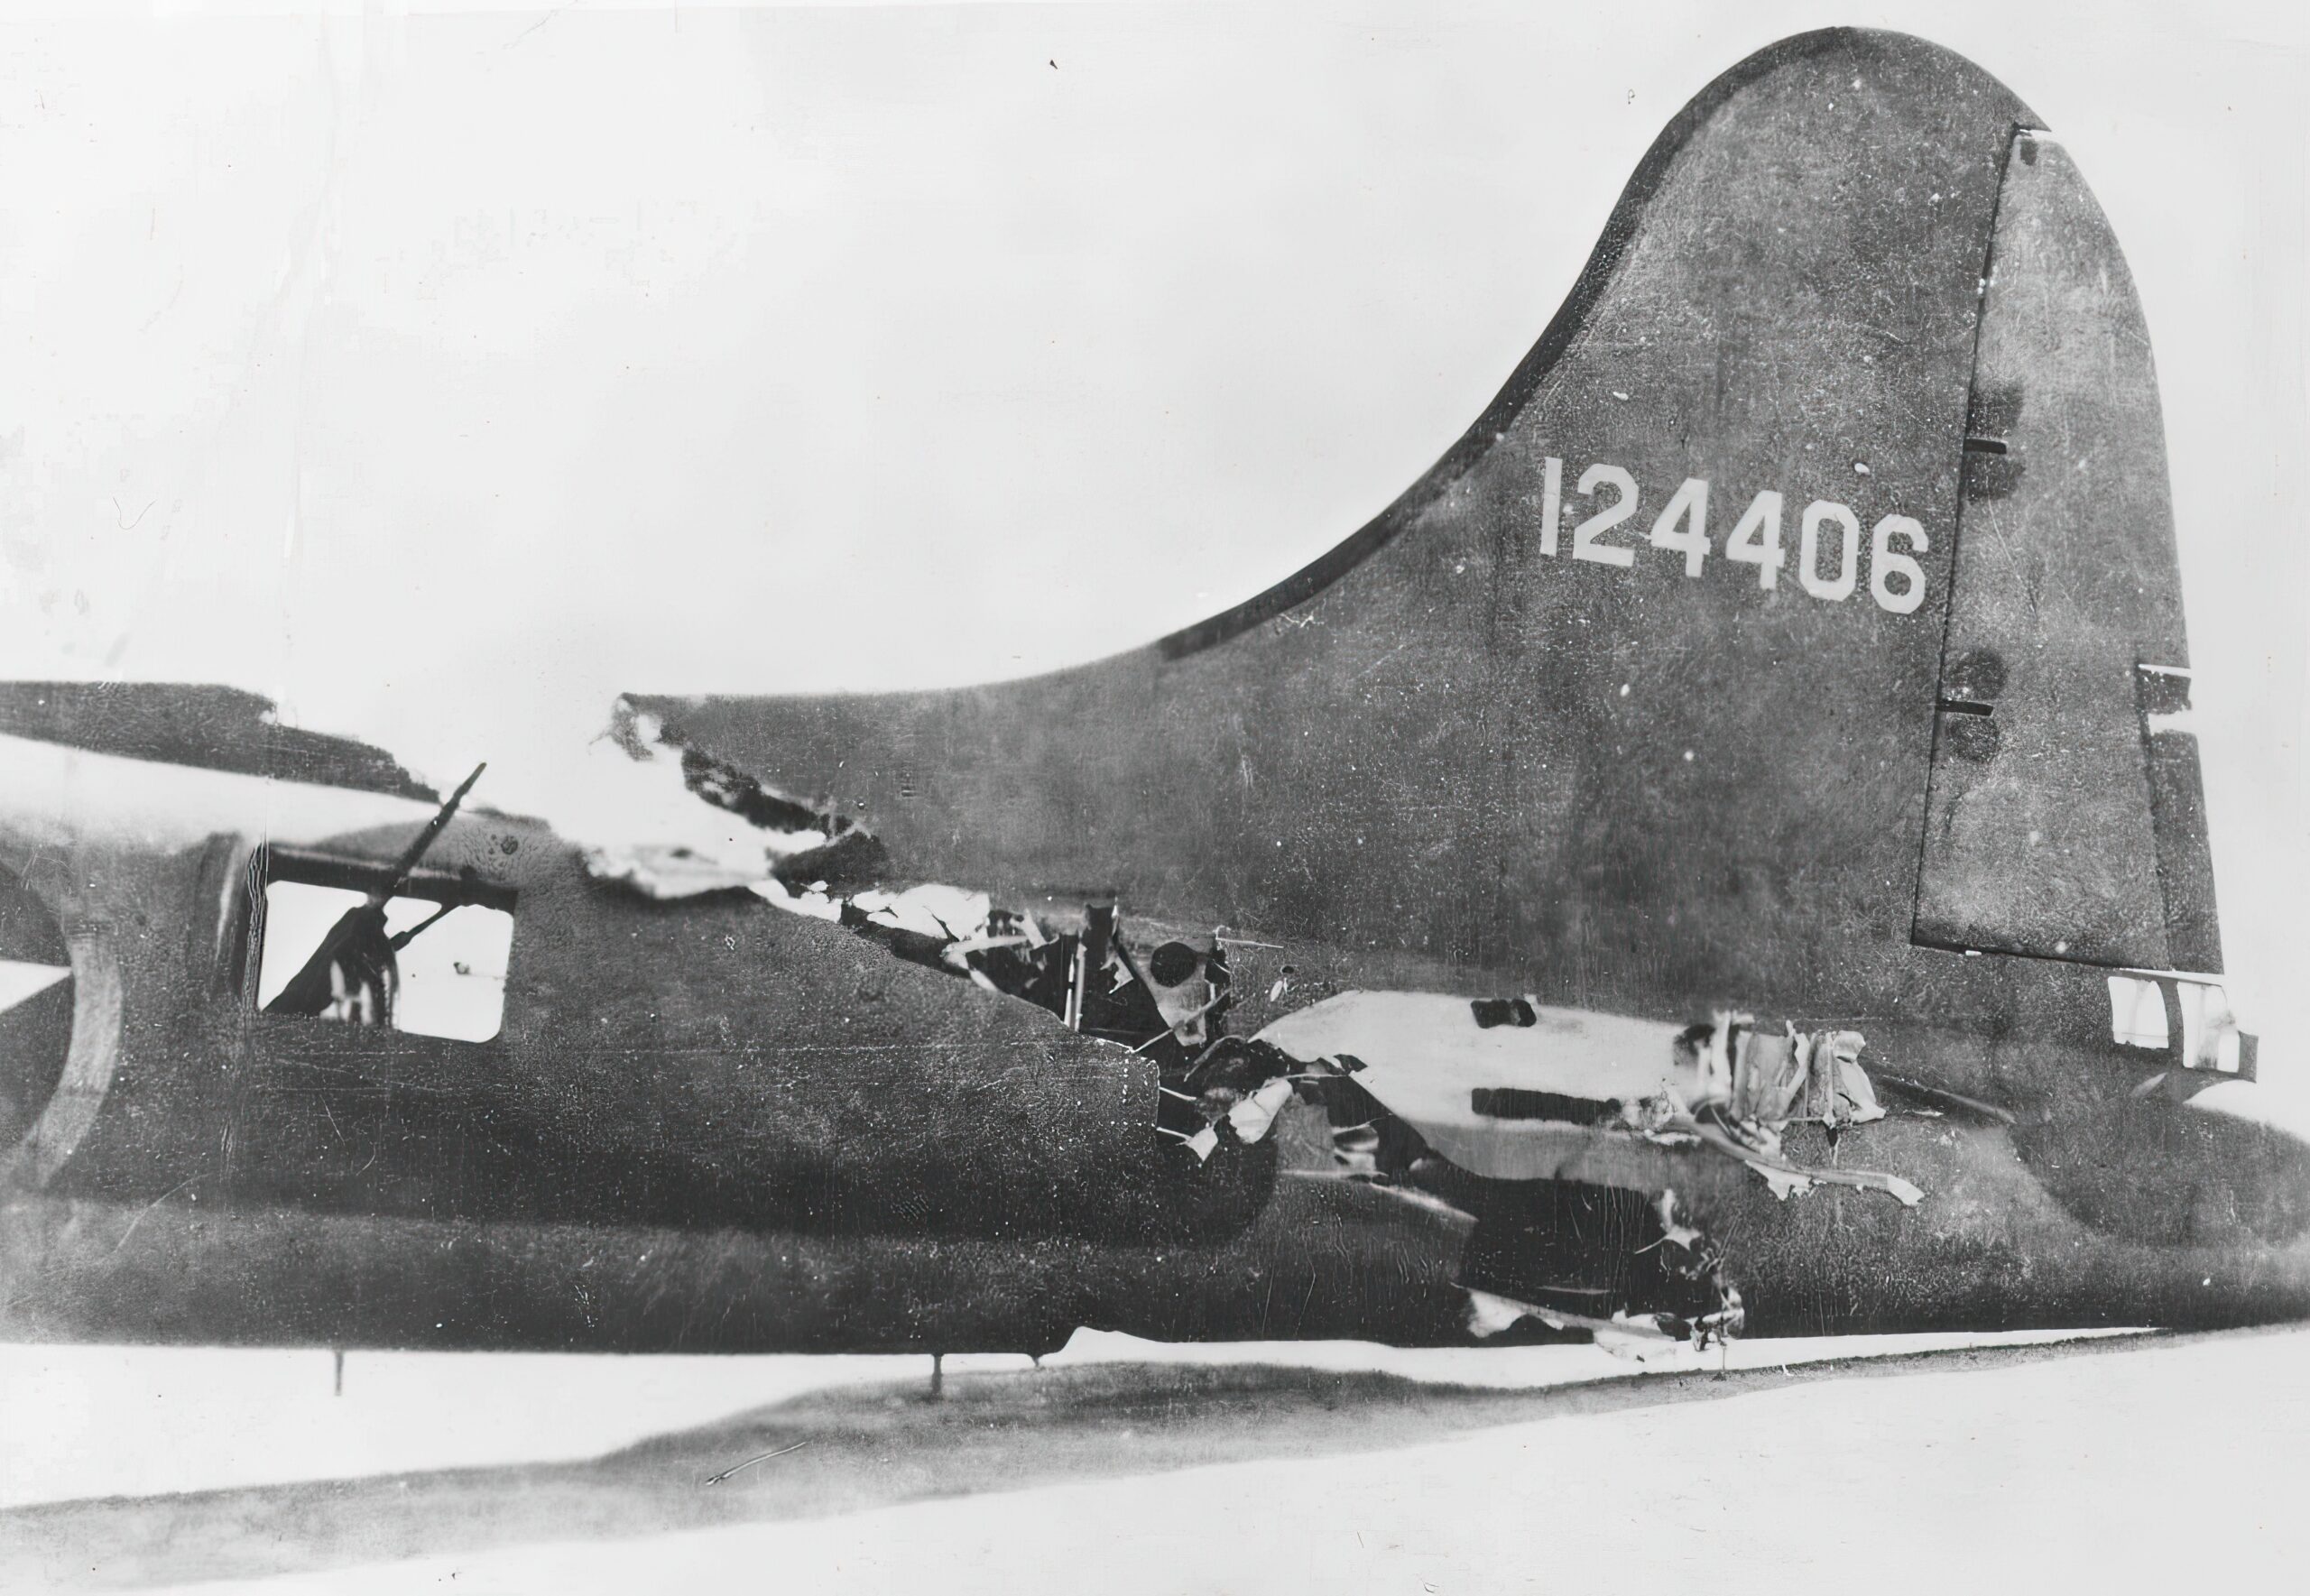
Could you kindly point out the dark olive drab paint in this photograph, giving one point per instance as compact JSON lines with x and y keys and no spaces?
{"x":2178,"y":821}
{"x":217,"y":727}
{"x":1460,"y":747}
{"x":1439,"y":759}
{"x":711,"y":1064}
{"x":2058,"y":826}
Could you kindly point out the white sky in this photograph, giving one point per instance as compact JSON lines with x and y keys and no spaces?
{"x":443,"y":375}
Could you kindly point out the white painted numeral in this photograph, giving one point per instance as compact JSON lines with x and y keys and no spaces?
{"x":1808,"y":549}
{"x":1584,"y":536}
{"x":1551,"y":504}
{"x":1689,"y":510}
{"x":1883,"y":562}
{"x":1897,"y":580}
{"x":1756,"y":541}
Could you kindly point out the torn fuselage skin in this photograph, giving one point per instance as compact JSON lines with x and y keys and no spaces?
{"x":1498,"y":738}
{"x":1942,"y":1190}
{"x":1551,"y":1148}
{"x":1167,"y":1002}
{"x":1560,"y":1259}
{"x":1698,"y":1122}
{"x":705,"y":1125}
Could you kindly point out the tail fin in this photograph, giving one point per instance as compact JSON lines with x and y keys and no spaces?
{"x":1633,"y":697}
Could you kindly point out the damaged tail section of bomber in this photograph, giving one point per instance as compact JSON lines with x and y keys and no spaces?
{"x":1584,"y":1150}
{"x":1570,"y":1139}
{"x":1516,"y":1099}
{"x":1217,"y":1090}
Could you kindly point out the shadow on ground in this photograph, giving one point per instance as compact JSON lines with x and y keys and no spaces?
{"x":845,"y":1449}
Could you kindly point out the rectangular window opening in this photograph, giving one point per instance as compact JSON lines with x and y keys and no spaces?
{"x":2137,"y":1014}
{"x":2146,"y":1011}
{"x":433,"y":964}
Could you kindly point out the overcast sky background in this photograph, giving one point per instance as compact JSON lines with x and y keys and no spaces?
{"x":444,"y":374}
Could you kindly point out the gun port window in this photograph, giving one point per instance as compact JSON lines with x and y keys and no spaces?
{"x":2137,"y":1014}
{"x":344,"y":941}
{"x":2189,"y":1021}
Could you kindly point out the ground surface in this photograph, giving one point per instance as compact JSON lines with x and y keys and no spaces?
{"x":1126,"y":1467}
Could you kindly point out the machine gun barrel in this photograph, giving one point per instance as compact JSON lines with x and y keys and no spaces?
{"x":406,"y":865}
{"x":307,"y":991}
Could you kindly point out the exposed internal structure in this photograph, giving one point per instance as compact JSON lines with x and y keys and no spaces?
{"x":1477,"y":1106}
